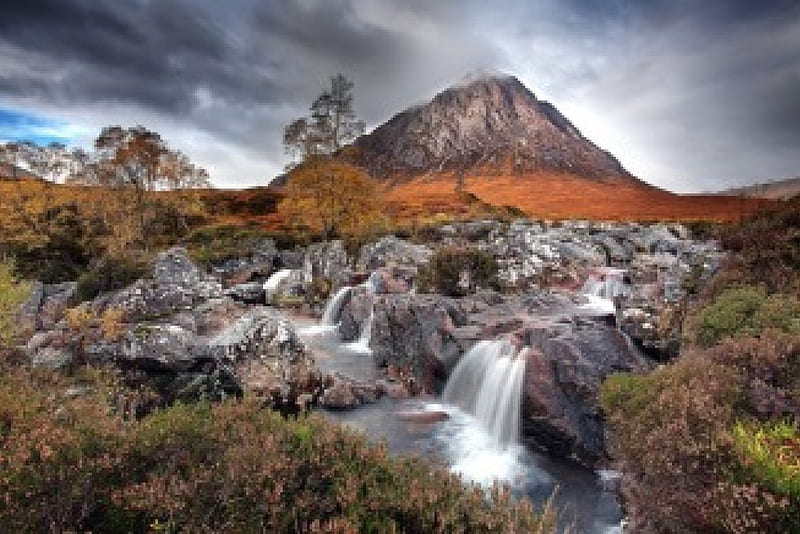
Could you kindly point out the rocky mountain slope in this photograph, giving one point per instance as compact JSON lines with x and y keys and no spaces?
{"x":490,"y":122}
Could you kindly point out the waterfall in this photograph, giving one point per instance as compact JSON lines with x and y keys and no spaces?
{"x":487,"y":383}
{"x":334,"y":307}
{"x":273,"y":283}
{"x":362,"y":344}
{"x":600,"y":289}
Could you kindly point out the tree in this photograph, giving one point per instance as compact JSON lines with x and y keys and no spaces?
{"x":325,"y":195}
{"x":332,"y":123}
{"x":329,"y":197}
{"x":137,"y":162}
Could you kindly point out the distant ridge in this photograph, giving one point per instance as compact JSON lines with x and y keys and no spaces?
{"x":775,"y":190}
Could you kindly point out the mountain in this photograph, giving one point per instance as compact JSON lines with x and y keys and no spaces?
{"x":488,"y":146}
{"x":776,"y":190}
{"x":487,"y":123}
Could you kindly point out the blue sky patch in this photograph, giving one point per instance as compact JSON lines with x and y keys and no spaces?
{"x":18,"y":125}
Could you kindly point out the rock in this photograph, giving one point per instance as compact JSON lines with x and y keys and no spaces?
{"x":327,"y":259}
{"x":52,"y":358}
{"x":564,"y":371}
{"x":29,"y":313}
{"x":339,"y":396}
{"x":177,"y":284}
{"x":259,"y":333}
{"x":391,"y":251}
{"x":161,"y":347}
{"x":252,"y":266}
{"x":412,"y":332}
{"x":248,"y":292}
{"x":56,"y":299}
{"x":344,"y":393}
{"x":282,"y":284}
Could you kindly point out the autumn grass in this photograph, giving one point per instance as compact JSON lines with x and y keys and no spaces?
{"x":562,"y":196}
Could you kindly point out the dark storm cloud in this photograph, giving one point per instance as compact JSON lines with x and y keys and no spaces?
{"x":690,"y":95}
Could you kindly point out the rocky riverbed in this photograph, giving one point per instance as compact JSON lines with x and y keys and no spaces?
{"x":582,"y":299}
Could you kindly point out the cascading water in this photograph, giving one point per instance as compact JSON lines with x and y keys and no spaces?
{"x":362,"y":344}
{"x":487,"y":383}
{"x":330,"y":317}
{"x":600,"y":289}
{"x":274,"y":281}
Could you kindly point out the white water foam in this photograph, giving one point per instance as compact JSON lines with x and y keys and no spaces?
{"x":487,"y":383}
{"x":600,"y":289}
{"x":362,"y":343}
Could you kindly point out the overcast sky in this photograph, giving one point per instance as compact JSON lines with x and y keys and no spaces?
{"x":689,"y":95}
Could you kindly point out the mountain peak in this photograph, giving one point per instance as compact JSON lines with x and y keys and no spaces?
{"x":484,"y":76}
{"x":486,"y":123}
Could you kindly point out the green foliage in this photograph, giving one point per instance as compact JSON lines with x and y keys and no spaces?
{"x":109,"y":274}
{"x":770,"y":453}
{"x":13,"y":294}
{"x":744,"y":311}
{"x":457,"y":271}
{"x":69,"y":464}
{"x":689,"y":466}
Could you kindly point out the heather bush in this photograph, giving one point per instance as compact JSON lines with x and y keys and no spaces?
{"x":457,"y":271}
{"x":743,"y":311}
{"x":690,"y":464}
{"x":69,"y":463}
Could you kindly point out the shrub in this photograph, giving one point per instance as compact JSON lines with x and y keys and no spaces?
{"x":743,"y":311}
{"x":13,"y":294}
{"x":770,"y":453}
{"x":457,"y":271}
{"x":670,"y":430}
{"x":109,"y":274}
{"x":688,"y":463}
{"x":69,"y":464}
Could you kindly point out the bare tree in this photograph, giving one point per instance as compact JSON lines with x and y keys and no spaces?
{"x":331,"y":125}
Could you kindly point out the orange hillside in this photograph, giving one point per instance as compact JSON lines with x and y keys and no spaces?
{"x":561,"y":196}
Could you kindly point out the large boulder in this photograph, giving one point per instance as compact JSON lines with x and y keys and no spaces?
{"x":566,"y":366}
{"x":415,"y":333}
{"x":176,"y":284}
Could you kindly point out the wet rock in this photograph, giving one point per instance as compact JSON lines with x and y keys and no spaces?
{"x":255,"y":265}
{"x":413,"y":332}
{"x":327,"y":259}
{"x":343,"y":393}
{"x":282,"y":284}
{"x":561,"y":411}
{"x":249,"y":292}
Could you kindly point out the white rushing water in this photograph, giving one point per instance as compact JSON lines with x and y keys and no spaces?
{"x":274,"y":281}
{"x":487,"y":383}
{"x":362,"y":343}
{"x":601,"y":288}
{"x":330,"y":317}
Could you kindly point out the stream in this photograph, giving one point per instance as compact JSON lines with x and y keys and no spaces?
{"x":457,"y":439}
